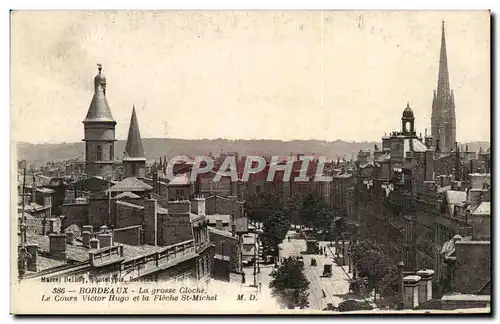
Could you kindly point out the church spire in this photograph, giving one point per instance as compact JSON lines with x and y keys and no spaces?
{"x":443,"y":87}
{"x":133,"y":148}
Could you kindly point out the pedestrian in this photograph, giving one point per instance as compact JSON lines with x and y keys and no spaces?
{"x":323,"y":291}
{"x":260,"y":287}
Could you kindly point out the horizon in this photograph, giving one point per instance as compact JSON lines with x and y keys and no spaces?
{"x":236,"y":139}
{"x":279,"y":75}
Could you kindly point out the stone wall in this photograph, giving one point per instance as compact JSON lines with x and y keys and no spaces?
{"x":76,"y":214}
{"x":228,"y":249}
{"x":481,"y":226}
{"x":128,"y":235}
{"x":473,"y":268}
{"x":128,"y":214}
{"x":98,"y":212}
{"x":174,"y":229}
{"x":224,"y":206}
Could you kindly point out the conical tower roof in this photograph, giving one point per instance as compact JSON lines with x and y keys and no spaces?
{"x":99,"y":109}
{"x":443,"y":75}
{"x":133,"y":148}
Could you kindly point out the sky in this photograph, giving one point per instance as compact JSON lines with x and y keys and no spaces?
{"x":246,"y":75}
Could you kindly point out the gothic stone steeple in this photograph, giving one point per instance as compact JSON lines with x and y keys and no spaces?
{"x":443,"y":123}
{"x":134,"y":161}
{"x":99,"y":132}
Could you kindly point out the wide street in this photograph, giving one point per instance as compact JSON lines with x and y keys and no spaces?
{"x":334,"y":287}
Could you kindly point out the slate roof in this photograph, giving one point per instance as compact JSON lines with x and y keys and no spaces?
{"x":130,"y":184}
{"x":99,"y":110}
{"x":134,"y":149}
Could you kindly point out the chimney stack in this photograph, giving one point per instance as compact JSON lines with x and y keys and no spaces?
{"x":52,"y":226}
{"x":32,"y":262}
{"x":57,"y":246}
{"x":411,"y":290}
{"x":425,"y":285}
{"x":105,"y":240}
{"x":94,"y":244}
{"x":87,"y":228}
{"x":63,"y":225}
{"x":86,"y":239}
{"x":70,"y":237}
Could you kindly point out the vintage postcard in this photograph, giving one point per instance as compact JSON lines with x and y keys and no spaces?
{"x":250,"y":162}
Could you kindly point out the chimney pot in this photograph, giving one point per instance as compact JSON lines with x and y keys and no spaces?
{"x":218,"y":224}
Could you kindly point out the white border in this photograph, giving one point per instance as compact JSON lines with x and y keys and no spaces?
{"x":186,"y":4}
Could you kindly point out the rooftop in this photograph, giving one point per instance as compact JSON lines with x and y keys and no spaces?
{"x":483,"y":209}
{"x":418,"y":146}
{"x":124,"y":203}
{"x":126,"y":194}
{"x":130,"y":184}
{"x":180,"y":180}
{"x":221,"y":232}
{"x":212,"y":219}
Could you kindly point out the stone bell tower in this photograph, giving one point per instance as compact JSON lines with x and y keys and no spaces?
{"x":99,"y":136}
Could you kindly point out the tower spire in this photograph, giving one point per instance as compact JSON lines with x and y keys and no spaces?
{"x":133,"y":148}
{"x":443,"y":87}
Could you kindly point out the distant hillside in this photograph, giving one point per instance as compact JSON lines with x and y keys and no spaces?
{"x":159,"y":147}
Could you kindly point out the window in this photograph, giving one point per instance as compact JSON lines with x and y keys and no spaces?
{"x":99,"y":153}
{"x":111,"y":153}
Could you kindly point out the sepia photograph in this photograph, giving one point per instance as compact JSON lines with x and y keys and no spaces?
{"x":250,"y":162}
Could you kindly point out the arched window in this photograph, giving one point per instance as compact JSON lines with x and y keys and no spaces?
{"x":99,"y":153}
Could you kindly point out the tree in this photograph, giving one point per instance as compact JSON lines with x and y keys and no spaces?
{"x":293,"y":205}
{"x":316,"y":213}
{"x":289,"y":283}
{"x":353,"y":305}
{"x":254,"y":207}
{"x":371,"y":262}
{"x":276,"y":224}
